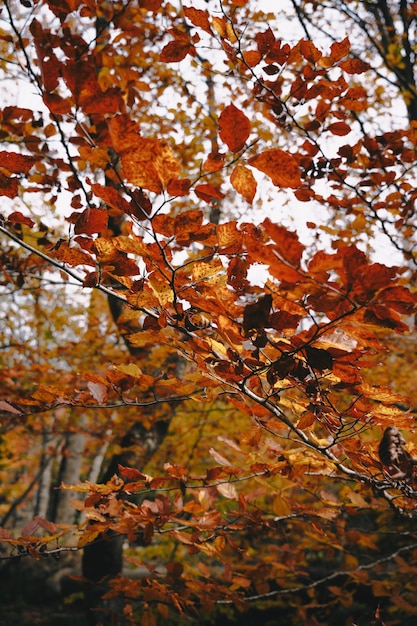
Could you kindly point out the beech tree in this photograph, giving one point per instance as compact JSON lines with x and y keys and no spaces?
{"x":208,"y":298}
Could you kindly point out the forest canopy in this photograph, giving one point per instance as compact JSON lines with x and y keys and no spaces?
{"x":208,"y":301}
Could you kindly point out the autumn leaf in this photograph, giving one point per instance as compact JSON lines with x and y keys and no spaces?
{"x":339,"y":128}
{"x":90,"y":221}
{"x":15,"y":163}
{"x":354,"y":66}
{"x":244,"y":182}
{"x":339,"y":50}
{"x":281,"y":167}
{"x":256,"y":315}
{"x":176,"y":50}
{"x":234,"y":128}
{"x":147,"y":163}
{"x":199,"y":18}
{"x":208,"y":192}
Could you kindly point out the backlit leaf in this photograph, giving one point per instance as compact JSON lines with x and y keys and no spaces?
{"x":281,"y":167}
{"x":244,"y":182}
{"x":198,"y":17}
{"x":354,"y":66}
{"x":234,"y":128}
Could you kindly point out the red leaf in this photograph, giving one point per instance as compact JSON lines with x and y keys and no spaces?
{"x":111,"y":197}
{"x":15,"y":163}
{"x":9,"y":186}
{"x":91,"y":221}
{"x":30,"y":528}
{"x":288,"y":243}
{"x":18,"y":218}
{"x":265,"y":40}
{"x":234,"y":128}
{"x":179,"y":187}
{"x":131,"y":473}
{"x":50,"y":527}
{"x":5,"y":535}
{"x":174,"y":52}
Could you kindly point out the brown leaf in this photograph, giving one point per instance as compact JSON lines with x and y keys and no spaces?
{"x":176,"y":50}
{"x":256,"y":315}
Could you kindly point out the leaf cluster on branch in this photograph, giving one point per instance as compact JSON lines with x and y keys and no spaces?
{"x":241,"y":433}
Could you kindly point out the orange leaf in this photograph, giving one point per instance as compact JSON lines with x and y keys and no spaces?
{"x":72,"y":256}
{"x":354,"y":66}
{"x":214,"y":162}
{"x":234,"y":128}
{"x":244,"y":182}
{"x":179,"y":187}
{"x":339,"y":49}
{"x":199,"y":18}
{"x":309,"y":51}
{"x":207,"y":192}
{"x":281,"y":167}
{"x":288,"y":244}
{"x":147,"y":163}
{"x":219,"y":26}
{"x":111,"y":197}
{"x":252,"y":57}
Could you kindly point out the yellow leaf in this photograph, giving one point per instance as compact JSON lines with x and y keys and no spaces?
{"x":87,"y":537}
{"x":281,"y":507}
{"x":204,"y":270}
{"x":130,"y":369}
